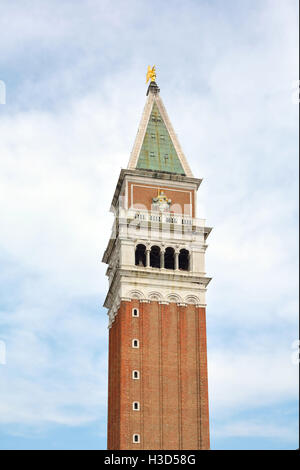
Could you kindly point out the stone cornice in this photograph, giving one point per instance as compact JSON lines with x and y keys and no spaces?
{"x":172,"y":298}
{"x":162,"y":286}
{"x":156,"y":274}
{"x":162,"y":273}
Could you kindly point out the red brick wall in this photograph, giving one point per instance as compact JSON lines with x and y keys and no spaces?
{"x":182,"y":201}
{"x":172,"y":389}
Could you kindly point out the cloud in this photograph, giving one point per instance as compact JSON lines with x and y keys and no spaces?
{"x":248,"y":377}
{"x":258,"y":429}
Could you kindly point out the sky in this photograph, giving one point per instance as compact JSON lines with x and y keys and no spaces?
{"x":72,"y":91}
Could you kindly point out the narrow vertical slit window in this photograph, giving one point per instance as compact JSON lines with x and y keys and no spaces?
{"x":136,"y":406}
{"x":135,"y":312}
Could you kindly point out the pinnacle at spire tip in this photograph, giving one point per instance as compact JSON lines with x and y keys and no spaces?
{"x":153,"y":88}
{"x":151,"y":75}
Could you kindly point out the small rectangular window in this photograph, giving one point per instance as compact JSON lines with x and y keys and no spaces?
{"x":136,"y":406}
{"x":135,"y":312}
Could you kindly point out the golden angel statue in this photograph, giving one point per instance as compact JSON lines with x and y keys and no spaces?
{"x":151,"y":74}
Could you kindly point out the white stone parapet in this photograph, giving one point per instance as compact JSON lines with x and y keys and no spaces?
{"x":160,"y":217}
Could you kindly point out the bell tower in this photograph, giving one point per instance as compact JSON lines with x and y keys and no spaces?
{"x":157,"y":390}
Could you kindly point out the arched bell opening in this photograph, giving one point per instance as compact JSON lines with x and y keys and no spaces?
{"x":184,"y":260}
{"x":170,"y":258}
{"x":140,"y":255}
{"x":155,"y":257}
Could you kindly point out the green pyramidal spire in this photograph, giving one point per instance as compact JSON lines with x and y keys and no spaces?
{"x":157,"y":151}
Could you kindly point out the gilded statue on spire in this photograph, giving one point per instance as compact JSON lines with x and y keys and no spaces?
{"x":151,"y":74}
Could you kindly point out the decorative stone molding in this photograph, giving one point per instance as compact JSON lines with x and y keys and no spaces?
{"x":174,"y":298}
{"x":192,"y":299}
{"x":112,"y":313}
{"x":162,"y":286}
{"x":153,"y":296}
{"x":136,"y":294}
{"x":126,"y":299}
